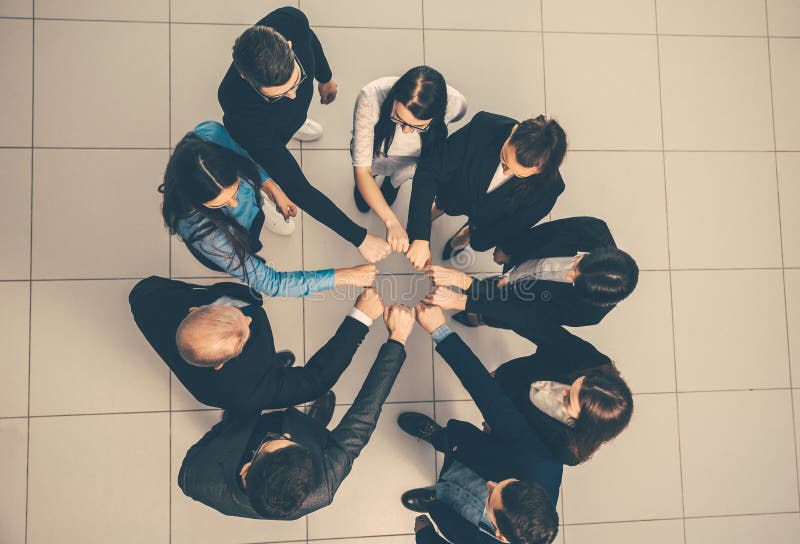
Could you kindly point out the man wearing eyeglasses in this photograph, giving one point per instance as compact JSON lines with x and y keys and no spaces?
{"x":265,"y":96}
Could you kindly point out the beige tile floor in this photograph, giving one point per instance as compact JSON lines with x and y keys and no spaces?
{"x":683,"y":122}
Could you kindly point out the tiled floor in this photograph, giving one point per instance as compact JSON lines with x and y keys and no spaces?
{"x":685,"y":136}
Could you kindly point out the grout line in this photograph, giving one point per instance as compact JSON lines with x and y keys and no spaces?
{"x":424,"y":53}
{"x":544,"y":66}
{"x":30,"y":275}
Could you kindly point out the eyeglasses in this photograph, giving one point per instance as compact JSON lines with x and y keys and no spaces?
{"x":269,"y":437}
{"x":294,"y":87}
{"x":397,"y":121}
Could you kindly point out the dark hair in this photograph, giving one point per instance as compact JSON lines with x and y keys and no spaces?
{"x":279,"y":482}
{"x":606,"y":408}
{"x":194,"y":175}
{"x":424,"y":92}
{"x":528,"y":515}
{"x":263,"y":56}
{"x":540,"y":142}
{"x":606,"y":276}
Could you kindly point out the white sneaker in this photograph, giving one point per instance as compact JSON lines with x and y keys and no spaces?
{"x":274,"y":221}
{"x":309,"y":132}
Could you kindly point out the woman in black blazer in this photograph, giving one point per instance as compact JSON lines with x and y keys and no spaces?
{"x":501,"y":173}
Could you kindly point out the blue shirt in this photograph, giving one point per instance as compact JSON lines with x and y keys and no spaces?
{"x":215,"y":246}
{"x":464,"y":492}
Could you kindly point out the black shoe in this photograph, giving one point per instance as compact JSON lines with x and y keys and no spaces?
{"x":420,"y":499}
{"x":284,"y":359}
{"x":388,"y":190}
{"x":449,"y":251}
{"x":321,"y":410}
{"x":361,"y":204}
{"x":418,"y":425}
{"x":468,"y":319}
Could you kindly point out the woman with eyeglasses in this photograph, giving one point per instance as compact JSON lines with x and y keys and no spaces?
{"x":212,"y":201}
{"x":396,"y":120}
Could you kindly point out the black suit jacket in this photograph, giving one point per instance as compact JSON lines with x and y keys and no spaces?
{"x":210,"y":470}
{"x":537,"y":309}
{"x":250,"y":382}
{"x":458,"y":176}
{"x":514,"y":450}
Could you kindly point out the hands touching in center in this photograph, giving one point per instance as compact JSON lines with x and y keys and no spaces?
{"x":399,"y":320}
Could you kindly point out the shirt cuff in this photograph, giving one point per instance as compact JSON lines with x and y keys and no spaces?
{"x":358,"y":315}
{"x":441,"y":333}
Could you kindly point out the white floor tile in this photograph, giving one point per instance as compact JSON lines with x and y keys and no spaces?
{"x":16,"y":45}
{"x":478,"y":15}
{"x":469,"y":261}
{"x":492,"y":346}
{"x":704,"y":103}
{"x":730,"y":330}
{"x":325,"y":312}
{"x":623,"y":16}
{"x":364,"y":13}
{"x":14,"y":322}
{"x":404,"y":539}
{"x":379,"y":52}
{"x":785,"y":57}
{"x":789,"y":188}
{"x":382,"y":513}
{"x":637,"y":335}
{"x":726,"y":468}
{"x":603,"y":89}
{"x":712,"y":17}
{"x":603,"y":184}
{"x":14,"y":447}
{"x":792,"y":279}
{"x":460,"y":55}
{"x":776,"y":528}
{"x":85,"y":228}
{"x":710,"y":196}
{"x":783,"y":17}
{"x":87,"y":355}
{"x":15,"y":234}
{"x":796,"y":401}
{"x":16,"y":8}
{"x":99,"y":479}
{"x":195,"y":523}
{"x":234,"y":11}
{"x":652,"y":532}
{"x":113,"y":76}
{"x":636,"y":476}
{"x":116,"y":10}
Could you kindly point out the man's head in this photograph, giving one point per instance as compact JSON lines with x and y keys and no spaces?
{"x":212,"y":335}
{"x":279,"y":478}
{"x":522,"y":512}
{"x":534,"y":146}
{"x":265,"y":59}
{"x":606,"y":276}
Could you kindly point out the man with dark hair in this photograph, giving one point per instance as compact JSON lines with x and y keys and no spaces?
{"x":265,"y":96}
{"x":286,"y":464}
{"x":494,"y":488}
{"x":564,"y":272}
{"x":218,"y":341}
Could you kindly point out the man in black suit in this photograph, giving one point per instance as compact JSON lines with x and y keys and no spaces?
{"x":498,"y":488}
{"x":564,"y":272}
{"x":218,"y":342}
{"x":285,"y":464}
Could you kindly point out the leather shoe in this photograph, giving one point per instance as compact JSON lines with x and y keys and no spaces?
{"x":321,"y":410}
{"x":449,"y":252}
{"x":418,"y":425}
{"x":388,"y":190}
{"x":284,"y":359}
{"x":420,"y":499}
{"x":361,"y":204}
{"x":468,"y":319}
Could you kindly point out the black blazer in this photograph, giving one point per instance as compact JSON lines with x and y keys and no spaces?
{"x":250,"y":382}
{"x":537,"y":309}
{"x":458,"y":176}
{"x":210,"y":470}
{"x":514,"y":450}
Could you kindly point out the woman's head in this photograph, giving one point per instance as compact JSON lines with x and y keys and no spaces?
{"x":606,"y":276}
{"x":417,"y":103}
{"x":602,"y":405}
{"x":534,"y":146}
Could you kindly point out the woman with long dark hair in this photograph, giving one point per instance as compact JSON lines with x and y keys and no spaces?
{"x":213,"y":202}
{"x":395,"y":122}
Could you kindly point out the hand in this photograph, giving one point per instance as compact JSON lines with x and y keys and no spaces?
{"x":446,"y":277}
{"x":370,"y":302}
{"x":502,"y":282}
{"x":397,"y":237}
{"x":446,"y":299}
{"x":327,"y":92}
{"x":430,"y":317}
{"x":374,"y":249}
{"x":285,"y":206}
{"x":421,"y":522}
{"x":419,"y":253}
{"x":500,"y":256}
{"x":399,"y":320}
{"x":360,"y":276}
